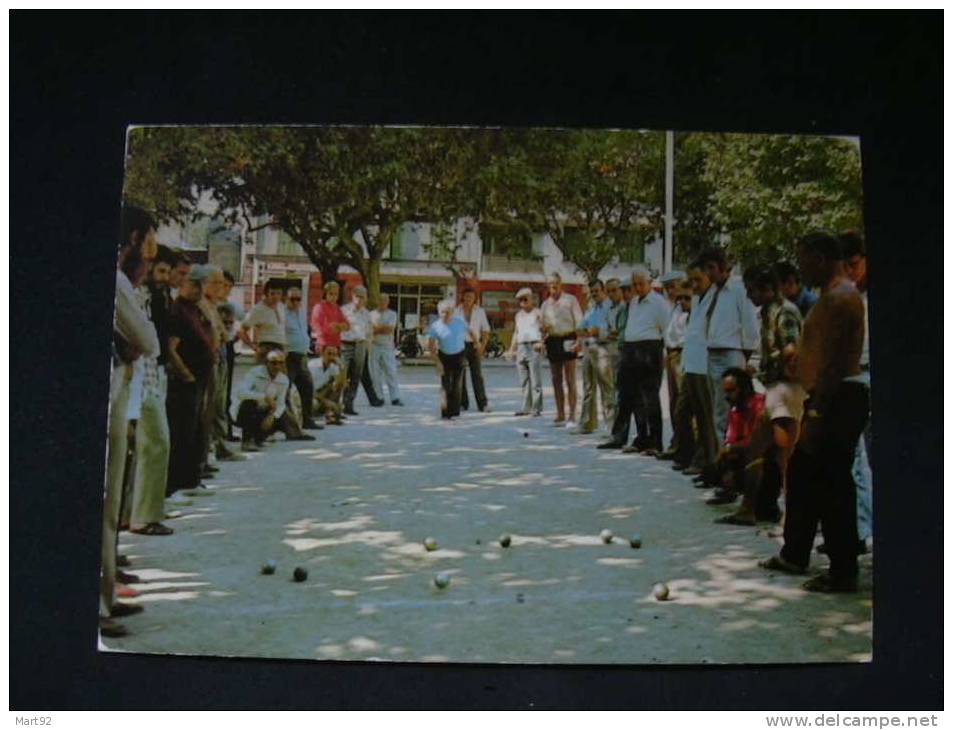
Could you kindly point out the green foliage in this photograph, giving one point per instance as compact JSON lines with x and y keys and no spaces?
{"x":768,"y":190}
{"x":695,"y":227}
{"x":584,"y":188}
{"x":343,"y":193}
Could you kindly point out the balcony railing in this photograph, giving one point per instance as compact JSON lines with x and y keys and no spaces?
{"x":506,"y":265}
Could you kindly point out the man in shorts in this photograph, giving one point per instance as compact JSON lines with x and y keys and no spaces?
{"x":777,"y":430}
{"x":562,"y":316}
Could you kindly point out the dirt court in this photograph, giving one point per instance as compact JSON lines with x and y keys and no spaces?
{"x":354,"y":507}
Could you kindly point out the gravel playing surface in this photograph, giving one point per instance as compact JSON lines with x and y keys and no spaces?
{"x":354,"y":507}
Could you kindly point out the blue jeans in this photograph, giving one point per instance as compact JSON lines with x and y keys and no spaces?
{"x":718,"y":362}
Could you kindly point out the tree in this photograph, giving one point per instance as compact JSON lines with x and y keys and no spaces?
{"x":768,"y":190}
{"x":695,"y":227}
{"x":341,"y":193}
{"x":388,"y":177}
{"x":597,"y":194}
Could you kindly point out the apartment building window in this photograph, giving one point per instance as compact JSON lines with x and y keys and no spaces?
{"x":631,"y":246}
{"x":405,"y":244}
{"x":416,"y":304}
{"x":511,"y":241}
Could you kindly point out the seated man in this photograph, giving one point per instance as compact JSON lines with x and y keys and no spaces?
{"x":329,"y":381}
{"x":260,"y":406}
{"x":727,"y":474}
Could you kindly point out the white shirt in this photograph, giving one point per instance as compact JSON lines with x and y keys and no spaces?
{"x":477,"y":323}
{"x":134,"y":408}
{"x":379,"y":318}
{"x":648,"y":318}
{"x":529,"y":326}
{"x":321,"y":375}
{"x":562,"y":315}
{"x":734,"y":323}
{"x":675,"y":331}
{"x":258,"y":384}
{"x":269,"y":324}
{"x":131,"y":321}
{"x":360,"y":321}
{"x":695,"y":347}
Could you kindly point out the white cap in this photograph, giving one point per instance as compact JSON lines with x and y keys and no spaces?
{"x":445,"y":306}
{"x":524,"y":292}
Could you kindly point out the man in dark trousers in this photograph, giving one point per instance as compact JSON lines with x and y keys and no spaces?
{"x":820,"y":484}
{"x":641,"y":325}
{"x":296,"y":333}
{"x":191,"y":357}
{"x":478,"y":334}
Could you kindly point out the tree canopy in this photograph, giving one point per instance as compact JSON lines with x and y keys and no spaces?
{"x":343,"y":193}
{"x":766,"y":191}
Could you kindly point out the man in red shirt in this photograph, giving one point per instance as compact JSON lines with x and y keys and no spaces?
{"x":327,"y":319}
{"x":746,"y":407}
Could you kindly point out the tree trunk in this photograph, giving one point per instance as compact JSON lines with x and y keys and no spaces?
{"x":329,"y":271}
{"x":372,"y":280}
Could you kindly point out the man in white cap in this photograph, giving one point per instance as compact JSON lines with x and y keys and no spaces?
{"x":260,"y":408}
{"x":527,"y":348}
{"x":447,"y":340}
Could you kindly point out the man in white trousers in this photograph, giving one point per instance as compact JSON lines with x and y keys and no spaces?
{"x":383,"y":359}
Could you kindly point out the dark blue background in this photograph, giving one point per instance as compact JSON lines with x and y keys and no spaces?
{"x":77,"y":79}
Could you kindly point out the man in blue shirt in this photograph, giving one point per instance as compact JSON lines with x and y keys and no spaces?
{"x":597,"y":366}
{"x":296,"y":334}
{"x":448,"y":336}
{"x":792,"y":288}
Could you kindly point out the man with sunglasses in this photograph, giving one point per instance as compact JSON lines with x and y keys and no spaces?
{"x":296,"y":334}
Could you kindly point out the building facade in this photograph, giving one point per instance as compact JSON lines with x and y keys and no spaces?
{"x":413,"y":272}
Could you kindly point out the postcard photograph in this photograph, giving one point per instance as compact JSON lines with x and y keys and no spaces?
{"x":489,"y":395}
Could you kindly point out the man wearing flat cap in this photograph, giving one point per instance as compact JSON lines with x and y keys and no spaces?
{"x":526,"y":348}
{"x":191,"y":359}
{"x":260,"y":407}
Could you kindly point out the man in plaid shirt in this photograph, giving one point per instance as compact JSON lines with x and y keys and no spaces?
{"x":777,"y":430}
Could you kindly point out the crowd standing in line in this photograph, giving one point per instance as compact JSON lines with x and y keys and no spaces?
{"x":768,"y":384}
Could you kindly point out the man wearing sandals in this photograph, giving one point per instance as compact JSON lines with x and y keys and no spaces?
{"x":820,"y":485}
{"x":134,"y":336}
{"x":152,"y":430}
